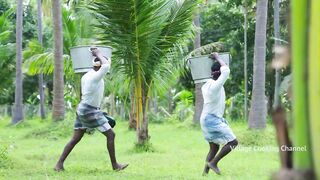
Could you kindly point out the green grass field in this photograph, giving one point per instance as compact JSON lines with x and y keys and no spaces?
{"x":30,"y":151}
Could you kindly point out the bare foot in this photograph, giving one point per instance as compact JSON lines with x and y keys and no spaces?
{"x":215,"y":168}
{"x":59,"y":167}
{"x":205,"y":170}
{"x":119,"y":167}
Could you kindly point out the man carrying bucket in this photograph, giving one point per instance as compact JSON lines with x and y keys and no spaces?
{"x":89,"y":115}
{"x":214,"y":127}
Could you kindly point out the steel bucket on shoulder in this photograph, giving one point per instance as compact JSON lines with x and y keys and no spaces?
{"x":82,"y":57}
{"x":201,"y":66}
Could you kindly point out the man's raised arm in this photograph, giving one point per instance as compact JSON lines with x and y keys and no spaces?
{"x":105,"y":64}
{"x":224,"y":70}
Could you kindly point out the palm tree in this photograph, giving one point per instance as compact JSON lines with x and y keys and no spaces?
{"x":46,"y":7}
{"x":276,"y":102}
{"x":38,"y":59}
{"x":257,"y":116}
{"x":58,"y":109}
{"x":41,"y":91}
{"x":198,"y":92}
{"x":245,"y":57}
{"x":18,"y":106}
{"x":146,"y":35}
{"x":6,"y":51}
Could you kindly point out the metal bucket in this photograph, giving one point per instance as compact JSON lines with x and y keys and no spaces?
{"x":82,"y":57}
{"x":201,"y":66}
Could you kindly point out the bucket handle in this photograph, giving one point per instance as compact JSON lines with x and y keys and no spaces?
{"x":188,"y":62}
{"x":89,"y":49}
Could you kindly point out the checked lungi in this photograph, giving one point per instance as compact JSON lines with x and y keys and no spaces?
{"x":90,"y":117}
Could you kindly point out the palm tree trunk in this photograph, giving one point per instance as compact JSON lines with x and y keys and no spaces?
{"x":257,"y":117}
{"x":77,"y":86}
{"x":58,"y":109}
{"x":143,"y":135}
{"x":40,"y":81}
{"x":132,"y":118}
{"x":276,"y":102}
{"x":245,"y":61}
{"x":196,"y":21}
{"x":198,"y":102}
{"x":112,"y":105}
{"x":18,"y":105}
{"x":170,"y":101}
{"x":155,"y":103}
{"x":141,"y":95}
{"x":122,"y":109}
{"x":198,"y":92}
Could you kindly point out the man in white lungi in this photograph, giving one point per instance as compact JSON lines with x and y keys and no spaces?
{"x":214,"y":127}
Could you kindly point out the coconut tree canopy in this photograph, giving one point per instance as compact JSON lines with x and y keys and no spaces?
{"x":147,"y":36}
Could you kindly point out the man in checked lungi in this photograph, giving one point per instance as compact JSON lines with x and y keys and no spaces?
{"x":215,"y":128}
{"x":89,"y":115}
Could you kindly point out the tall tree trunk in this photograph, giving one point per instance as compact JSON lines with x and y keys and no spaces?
{"x":122,"y":109}
{"x":198,"y":102}
{"x":245,"y":61}
{"x":170,"y":101}
{"x":276,"y":101}
{"x":142,"y":97}
{"x":18,"y":97}
{"x":112,"y":105}
{"x":154,"y":102}
{"x":257,"y":117}
{"x":198,"y":93}
{"x":132,"y":115}
{"x":40,"y":81}
{"x":58,"y":109}
{"x":143,"y":134}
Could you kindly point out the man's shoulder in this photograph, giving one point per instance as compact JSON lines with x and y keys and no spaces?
{"x":207,"y":84}
{"x":89,"y":72}
{"x":210,"y":81}
{"x":87,"y":75}
{"x":212,"y":85}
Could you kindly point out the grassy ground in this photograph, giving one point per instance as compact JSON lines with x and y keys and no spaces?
{"x":30,"y":150}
